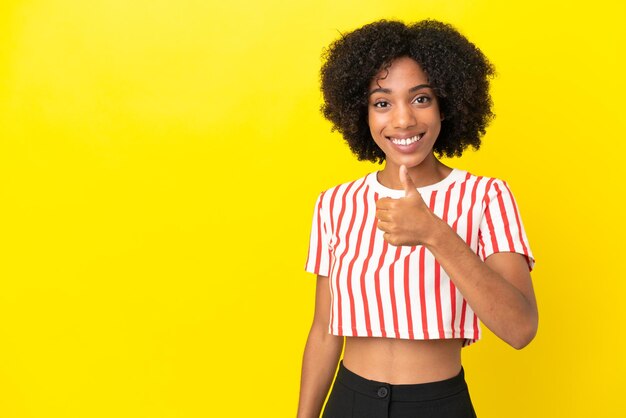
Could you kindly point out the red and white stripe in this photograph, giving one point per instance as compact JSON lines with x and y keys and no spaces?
{"x":379,"y":290}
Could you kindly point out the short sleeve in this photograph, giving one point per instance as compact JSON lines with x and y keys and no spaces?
{"x":318,"y":258}
{"x":501,"y":228}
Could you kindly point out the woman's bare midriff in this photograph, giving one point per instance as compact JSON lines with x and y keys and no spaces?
{"x":398,"y":361}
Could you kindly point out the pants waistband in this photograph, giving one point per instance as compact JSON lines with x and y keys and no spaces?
{"x":414,"y":392}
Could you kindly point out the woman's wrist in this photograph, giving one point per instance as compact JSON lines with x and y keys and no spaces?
{"x":440,"y":235}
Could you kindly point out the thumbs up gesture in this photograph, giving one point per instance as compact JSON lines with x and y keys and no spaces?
{"x":405,"y":221}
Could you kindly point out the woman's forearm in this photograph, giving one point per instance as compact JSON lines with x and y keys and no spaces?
{"x":499,"y":290}
{"x":321,"y":356}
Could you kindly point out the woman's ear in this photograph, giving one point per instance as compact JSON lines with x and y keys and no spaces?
{"x":441,"y":116}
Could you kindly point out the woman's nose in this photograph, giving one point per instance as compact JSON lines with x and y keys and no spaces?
{"x":403,"y":117}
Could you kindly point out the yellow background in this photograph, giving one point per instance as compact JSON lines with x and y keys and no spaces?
{"x":159,"y":162}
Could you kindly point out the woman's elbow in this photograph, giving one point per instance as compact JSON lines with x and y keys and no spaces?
{"x":524,"y":334}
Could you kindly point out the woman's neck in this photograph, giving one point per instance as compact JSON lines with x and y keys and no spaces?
{"x":428,"y":172}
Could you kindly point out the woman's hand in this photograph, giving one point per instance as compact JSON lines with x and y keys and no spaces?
{"x":406,"y":221}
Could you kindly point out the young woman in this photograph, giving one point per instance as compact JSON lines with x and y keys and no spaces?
{"x":410,"y":257}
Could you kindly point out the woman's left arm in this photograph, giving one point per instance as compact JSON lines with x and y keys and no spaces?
{"x":499,"y":290}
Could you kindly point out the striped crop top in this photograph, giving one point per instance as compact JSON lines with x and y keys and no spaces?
{"x":379,"y":290}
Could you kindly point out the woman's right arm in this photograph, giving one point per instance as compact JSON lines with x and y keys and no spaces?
{"x":321,"y":356}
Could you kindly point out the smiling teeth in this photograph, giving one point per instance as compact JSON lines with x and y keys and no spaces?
{"x":407,"y":141}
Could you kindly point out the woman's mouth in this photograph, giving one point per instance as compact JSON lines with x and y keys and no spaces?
{"x":406,"y":141}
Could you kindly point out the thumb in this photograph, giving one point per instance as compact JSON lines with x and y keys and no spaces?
{"x":409,"y":187}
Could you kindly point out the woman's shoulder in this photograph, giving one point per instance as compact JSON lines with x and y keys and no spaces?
{"x":346,"y":187}
{"x":488,"y":189}
{"x":487,"y":182}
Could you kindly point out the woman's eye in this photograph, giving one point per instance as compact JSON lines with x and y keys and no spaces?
{"x":381,"y":104}
{"x":422,"y":99}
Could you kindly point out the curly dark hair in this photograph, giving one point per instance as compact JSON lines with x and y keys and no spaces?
{"x":457,"y":70}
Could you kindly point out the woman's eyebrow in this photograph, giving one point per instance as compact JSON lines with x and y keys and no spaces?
{"x":419,"y":87}
{"x":411,"y":90}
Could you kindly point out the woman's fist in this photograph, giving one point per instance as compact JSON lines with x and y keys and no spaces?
{"x":405,"y":221}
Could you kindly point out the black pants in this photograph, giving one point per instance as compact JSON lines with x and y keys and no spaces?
{"x":355,"y":397}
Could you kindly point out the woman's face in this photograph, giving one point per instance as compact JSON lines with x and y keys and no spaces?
{"x":403,"y":114}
